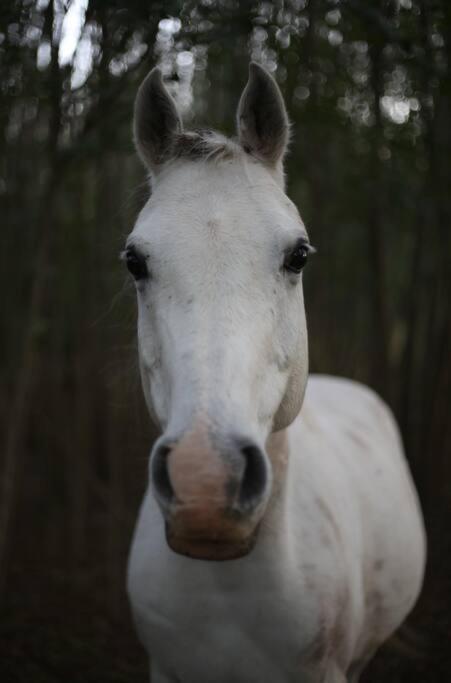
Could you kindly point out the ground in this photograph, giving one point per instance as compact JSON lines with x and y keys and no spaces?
{"x":56,"y":629}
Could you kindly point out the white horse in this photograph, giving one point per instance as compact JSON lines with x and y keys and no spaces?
{"x":280,"y":539}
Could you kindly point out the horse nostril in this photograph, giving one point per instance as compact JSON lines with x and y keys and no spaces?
{"x":255,"y":476}
{"x":216,"y":470}
{"x":160,"y":474}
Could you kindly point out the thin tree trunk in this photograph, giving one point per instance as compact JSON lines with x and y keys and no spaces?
{"x":380,"y":372}
{"x":22,"y":399}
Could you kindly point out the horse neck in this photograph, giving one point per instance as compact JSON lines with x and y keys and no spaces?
{"x":275,"y":526}
{"x":278,"y":449}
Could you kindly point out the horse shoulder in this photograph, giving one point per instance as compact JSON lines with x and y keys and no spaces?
{"x":351,"y":474}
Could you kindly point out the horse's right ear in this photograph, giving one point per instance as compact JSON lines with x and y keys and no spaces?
{"x":156,"y":121}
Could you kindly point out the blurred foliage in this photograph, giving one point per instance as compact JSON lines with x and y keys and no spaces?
{"x":368,"y":91}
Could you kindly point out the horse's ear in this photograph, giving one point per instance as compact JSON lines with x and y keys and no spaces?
{"x":263,"y":126}
{"x":156,"y":121}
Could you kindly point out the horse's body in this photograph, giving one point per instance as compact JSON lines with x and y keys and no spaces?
{"x":316,"y":514}
{"x":337,"y":566}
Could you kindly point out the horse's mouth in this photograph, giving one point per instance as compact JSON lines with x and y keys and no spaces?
{"x":210,"y":549}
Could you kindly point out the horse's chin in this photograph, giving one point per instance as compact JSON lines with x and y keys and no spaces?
{"x":213,"y":550}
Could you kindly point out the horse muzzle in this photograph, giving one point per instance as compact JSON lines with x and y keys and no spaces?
{"x":212,"y":492}
{"x":188,"y":534}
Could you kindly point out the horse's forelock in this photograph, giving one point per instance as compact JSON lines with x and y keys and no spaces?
{"x":203,"y":143}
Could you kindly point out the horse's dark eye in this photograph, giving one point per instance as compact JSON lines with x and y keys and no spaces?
{"x":296,"y":259}
{"x":136,"y":264}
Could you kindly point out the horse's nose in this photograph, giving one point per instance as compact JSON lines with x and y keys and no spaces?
{"x":220,"y":476}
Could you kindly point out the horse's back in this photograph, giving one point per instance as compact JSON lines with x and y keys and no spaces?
{"x":347,"y":443}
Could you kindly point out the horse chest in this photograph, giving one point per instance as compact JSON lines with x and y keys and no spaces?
{"x":243,"y":621}
{"x":240,"y":637}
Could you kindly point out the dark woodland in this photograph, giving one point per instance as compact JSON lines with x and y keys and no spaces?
{"x":367,"y":85}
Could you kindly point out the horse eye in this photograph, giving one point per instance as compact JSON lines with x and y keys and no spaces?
{"x":136,"y":264}
{"x":296,"y":259}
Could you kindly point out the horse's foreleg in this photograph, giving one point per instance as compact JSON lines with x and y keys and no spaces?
{"x":359,"y":665}
{"x":156,"y":676}
{"x":335,"y":675}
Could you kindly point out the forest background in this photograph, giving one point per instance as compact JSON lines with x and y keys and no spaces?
{"x":367,"y":86}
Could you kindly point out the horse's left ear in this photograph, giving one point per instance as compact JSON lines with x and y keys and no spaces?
{"x":263,"y":126}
